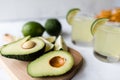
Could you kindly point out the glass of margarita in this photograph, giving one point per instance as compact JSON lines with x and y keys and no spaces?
{"x":81,"y":33}
{"x":107,"y":42}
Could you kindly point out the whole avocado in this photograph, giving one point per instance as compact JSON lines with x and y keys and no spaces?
{"x":53,"y":27}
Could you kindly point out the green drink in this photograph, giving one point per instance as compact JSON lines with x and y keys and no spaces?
{"x":107,"y":42}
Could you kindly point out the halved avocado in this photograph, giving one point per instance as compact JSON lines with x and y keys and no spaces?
{"x":25,"y":49}
{"x":53,"y":63}
{"x":60,"y":44}
{"x":49,"y":46}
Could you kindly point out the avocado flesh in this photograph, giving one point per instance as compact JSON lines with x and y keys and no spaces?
{"x":15,"y":50}
{"x":41,"y":66}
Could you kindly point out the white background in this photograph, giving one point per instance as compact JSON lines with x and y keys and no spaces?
{"x":29,"y":9}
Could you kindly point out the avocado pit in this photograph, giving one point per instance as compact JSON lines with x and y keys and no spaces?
{"x":57,"y":61}
{"x":28,"y":45}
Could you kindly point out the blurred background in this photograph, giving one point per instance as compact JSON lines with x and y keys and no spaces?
{"x":39,"y":9}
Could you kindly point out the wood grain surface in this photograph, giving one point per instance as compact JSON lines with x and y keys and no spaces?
{"x":18,"y":69}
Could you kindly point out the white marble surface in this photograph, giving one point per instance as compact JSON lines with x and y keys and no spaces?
{"x":92,"y":69}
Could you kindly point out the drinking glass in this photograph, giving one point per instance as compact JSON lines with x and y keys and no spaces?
{"x":107,"y":42}
{"x":81,"y":33}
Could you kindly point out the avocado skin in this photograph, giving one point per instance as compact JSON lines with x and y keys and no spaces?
{"x":27,"y":57}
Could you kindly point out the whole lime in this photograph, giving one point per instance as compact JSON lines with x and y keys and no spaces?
{"x":53,"y":27}
{"x":33,"y":29}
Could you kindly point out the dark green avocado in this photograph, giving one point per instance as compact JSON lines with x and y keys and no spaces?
{"x":26,"y":49}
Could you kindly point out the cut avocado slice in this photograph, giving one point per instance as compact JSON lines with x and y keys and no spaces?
{"x":49,"y":46}
{"x":60,"y":44}
{"x":53,"y":63}
{"x":26,"y":49}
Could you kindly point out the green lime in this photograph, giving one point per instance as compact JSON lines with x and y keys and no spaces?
{"x":60,"y":44}
{"x":33,"y":29}
{"x":53,"y":27}
{"x":51,"y":39}
{"x":71,"y":13}
{"x":97,"y":23}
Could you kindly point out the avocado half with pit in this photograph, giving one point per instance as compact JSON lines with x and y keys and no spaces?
{"x":25,"y":49}
{"x":53,"y":63}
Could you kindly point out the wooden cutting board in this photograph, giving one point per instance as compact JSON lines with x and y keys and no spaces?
{"x":17,"y":69}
